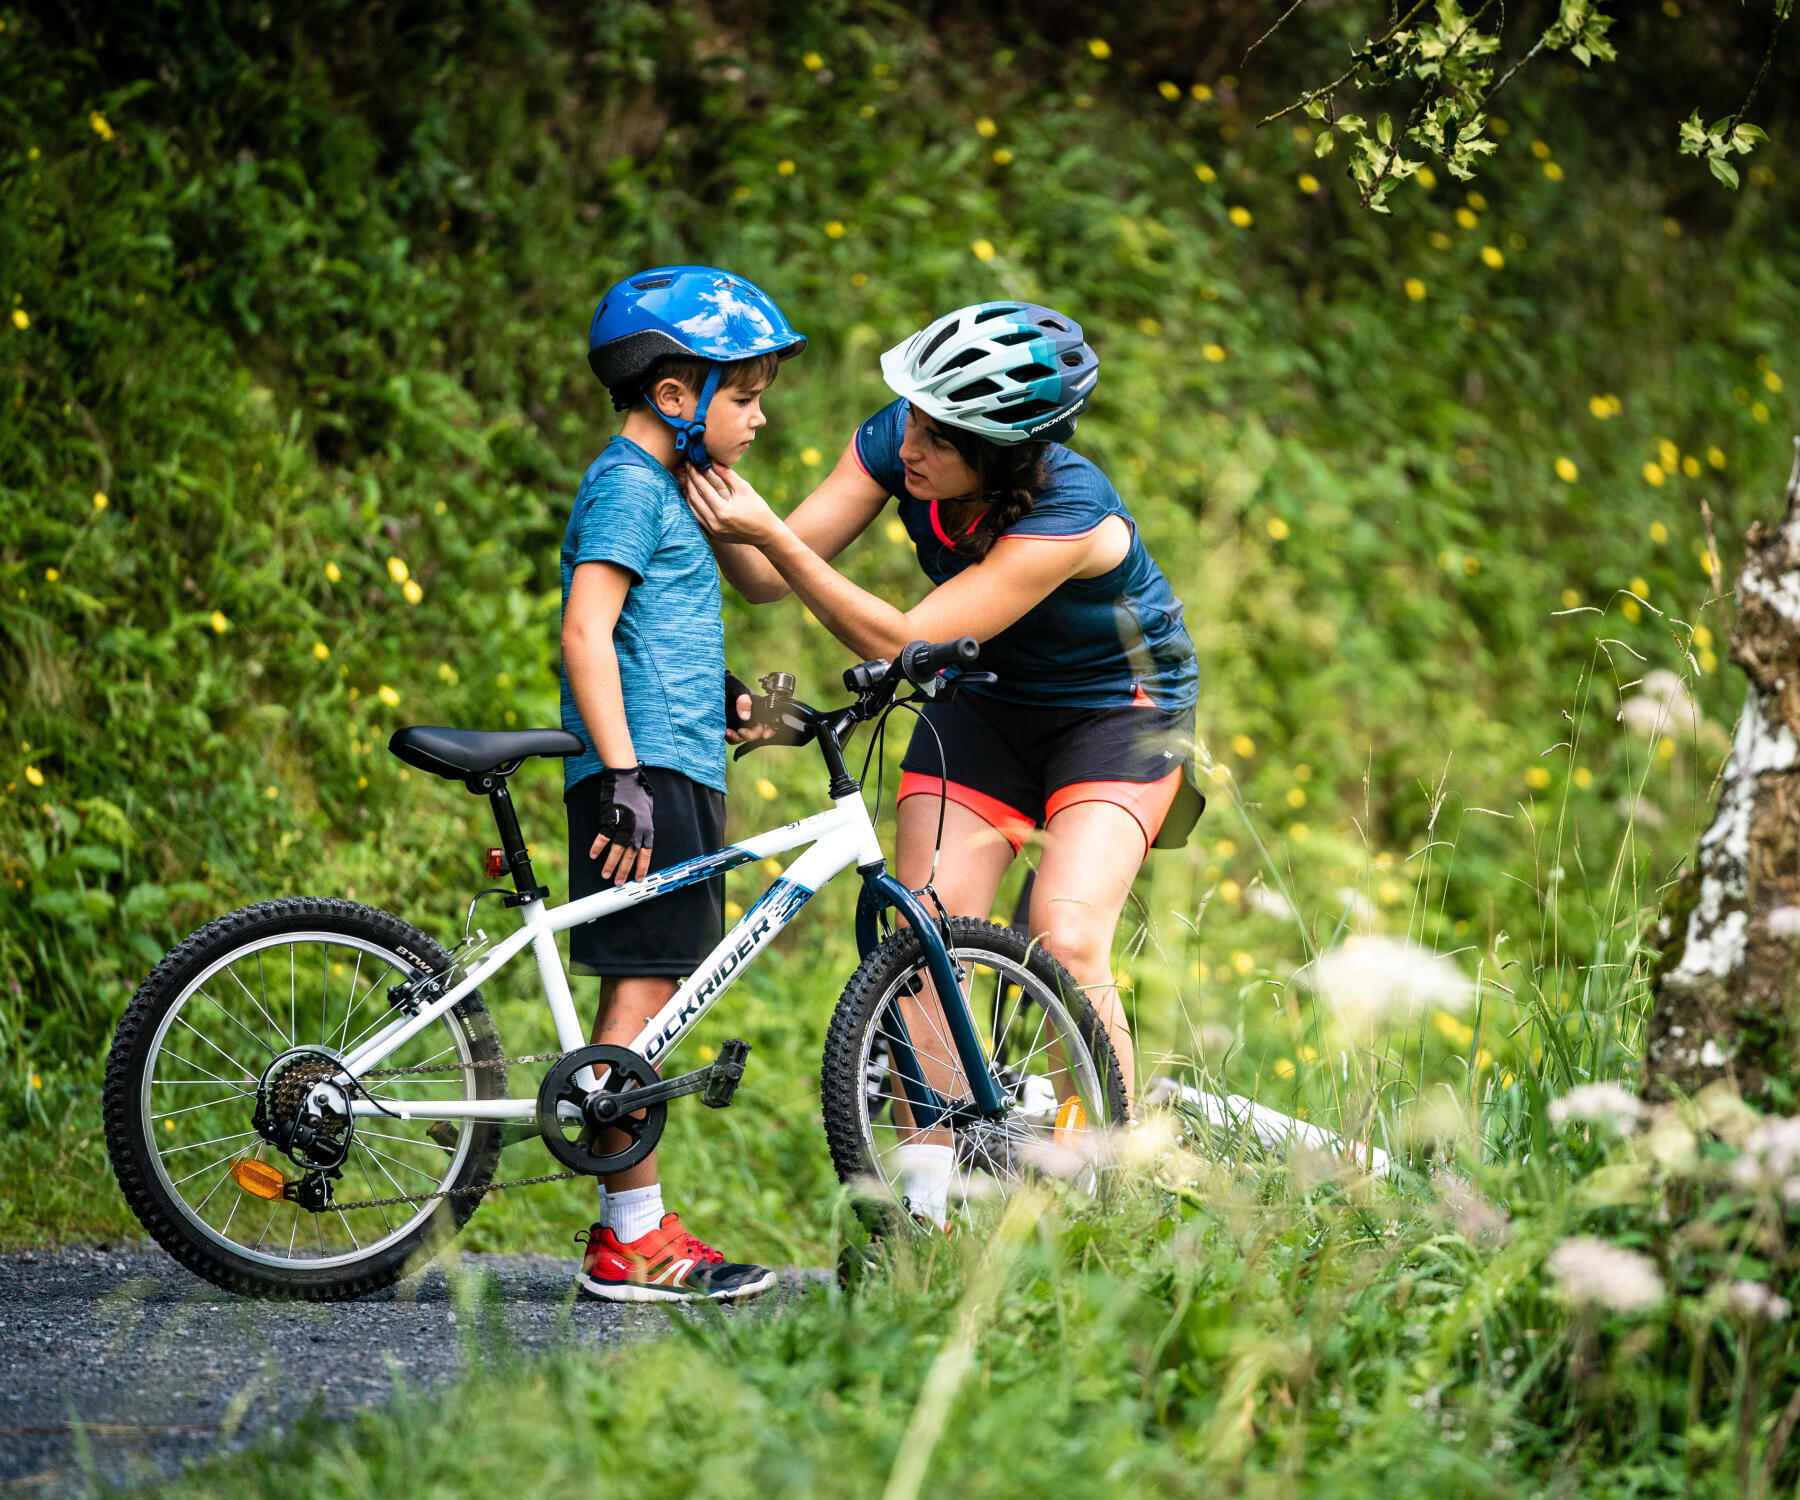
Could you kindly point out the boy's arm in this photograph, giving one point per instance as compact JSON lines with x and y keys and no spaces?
{"x":828,"y":520}
{"x":596,"y":595}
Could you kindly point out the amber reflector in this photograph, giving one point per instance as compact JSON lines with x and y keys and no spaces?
{"x":258,"y":1177}
{"x":496,"y":863}
{"x":1071,"y":1122}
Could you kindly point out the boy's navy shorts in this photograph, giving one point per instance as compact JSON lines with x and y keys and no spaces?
{"x":667,"y":936}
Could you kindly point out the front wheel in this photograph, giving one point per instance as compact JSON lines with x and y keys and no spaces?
{"x":263,"y":1000}
{"x":1052,"y":1057}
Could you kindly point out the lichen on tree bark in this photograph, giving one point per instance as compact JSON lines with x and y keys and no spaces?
{"x":1725,"y":991}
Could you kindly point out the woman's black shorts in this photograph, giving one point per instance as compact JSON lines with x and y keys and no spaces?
{"x":667,"y":936}
{"x":1017,"y":766}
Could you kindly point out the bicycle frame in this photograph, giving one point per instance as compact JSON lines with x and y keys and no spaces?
{"x":839,"y":838}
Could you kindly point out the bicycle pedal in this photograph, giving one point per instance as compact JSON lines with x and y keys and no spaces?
{"x":726,"y":1073}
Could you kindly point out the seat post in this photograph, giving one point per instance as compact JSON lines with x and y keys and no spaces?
{"x":518,"y":858}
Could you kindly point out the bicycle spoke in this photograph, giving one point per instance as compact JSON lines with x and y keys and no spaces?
{"x":404,"y":1166}
{"x":274,"y":1025}
{"x":188,"y":1109}
{"x":182,"y":1021}
{"x":214,"y":1162}
{"x":236,"y":1022}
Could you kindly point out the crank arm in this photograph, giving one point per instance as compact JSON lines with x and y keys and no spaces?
{"x":719,"y":1081}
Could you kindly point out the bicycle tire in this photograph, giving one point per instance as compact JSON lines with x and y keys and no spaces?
{"x":844,"y":1081}
{"x":126,"y":1113}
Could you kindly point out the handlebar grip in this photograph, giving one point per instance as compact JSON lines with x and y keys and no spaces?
{"x":922,"y":660}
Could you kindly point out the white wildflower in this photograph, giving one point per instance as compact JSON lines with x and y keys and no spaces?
{"x":1783,"y":922}
{"x":1663,"y":707}
{"x":1752,"y":1299}
{"x":1368,"y":977}
{"x":1604,"y":1104}
{"x":1593,"y":1273}
{"x":1771,"y":1153}
{"x":1269,"y":902}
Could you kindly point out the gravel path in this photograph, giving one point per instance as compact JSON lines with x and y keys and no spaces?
{"x":153,"y":1368}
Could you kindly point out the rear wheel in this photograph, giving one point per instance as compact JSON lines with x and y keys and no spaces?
{"x":1051,"y":1053}
{"x":270,"y":995}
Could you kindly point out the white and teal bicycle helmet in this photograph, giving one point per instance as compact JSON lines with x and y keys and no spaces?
{"x":1011,"y":372}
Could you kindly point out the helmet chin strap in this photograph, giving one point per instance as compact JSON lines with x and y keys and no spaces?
{"x":690,"y":432}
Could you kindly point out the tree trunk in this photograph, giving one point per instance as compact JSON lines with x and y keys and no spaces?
{"x":1726,"y":1005}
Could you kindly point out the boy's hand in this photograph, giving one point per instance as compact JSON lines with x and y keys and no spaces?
{"x":627,"y":825}
{"x":728,"y":508}
{"x":741,"y":723}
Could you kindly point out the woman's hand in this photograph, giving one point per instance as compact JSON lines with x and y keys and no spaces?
{"x":728,"y":508}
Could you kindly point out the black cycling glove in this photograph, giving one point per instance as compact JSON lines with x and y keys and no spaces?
{"x":734,"y":689}
{"x":627,"y":808}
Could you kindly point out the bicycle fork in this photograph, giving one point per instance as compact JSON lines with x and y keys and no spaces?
{"x":882,"y":890}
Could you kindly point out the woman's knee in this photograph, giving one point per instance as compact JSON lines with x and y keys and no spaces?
{"x":1080,"y":940}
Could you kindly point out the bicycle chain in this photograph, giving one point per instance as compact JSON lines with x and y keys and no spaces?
{"x":462,"y":1192}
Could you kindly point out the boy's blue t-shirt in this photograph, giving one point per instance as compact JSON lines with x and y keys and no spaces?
{"x":670,"y":637}
{"x":1103,"y":642}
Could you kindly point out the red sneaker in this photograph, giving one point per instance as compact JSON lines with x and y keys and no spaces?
{"x":666,"y":1265}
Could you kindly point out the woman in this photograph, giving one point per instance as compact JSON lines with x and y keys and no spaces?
{"x":1089,"y":730}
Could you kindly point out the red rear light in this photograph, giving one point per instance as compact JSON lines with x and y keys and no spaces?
{"x":496,"y":863}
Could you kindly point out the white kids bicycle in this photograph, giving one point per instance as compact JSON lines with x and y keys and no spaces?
{"x":312,"y":1143}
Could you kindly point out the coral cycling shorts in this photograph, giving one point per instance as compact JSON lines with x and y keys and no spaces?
{"x":1017,"y":766}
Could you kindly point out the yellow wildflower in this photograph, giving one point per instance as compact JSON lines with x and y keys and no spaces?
{"x":1460,"y":1033}
{"x":1212,"y":353}
{"x":34,"y":776}
{"x":1240,"y":216}
{"x":1690,"y":466}
{"x":771,"y":865}
{"x":784,"y":167}
{"x":51,"y":575}
{"x":1571,"y":599}
{"x":1278,"y":528}
{"x":1566,"y":470}
{"x":1640,"y":587}
{"x":834,"y":229}
{"x":810,"y":457}
{"x":397,"y":570}
{"x":986,"y":128}
{"x":1296,"y":797}
{"x":733,"y":911}
{"x":219,"y":623}
{"x":21,"y":318}
{"x":1540,"y":150}
{"x":1668,"y":453}
{"x":100,"y":126}
{"x":1284,"y":1067}
{"x":412,"y":591}
{"x":1771,"y":380}
{"x":1204,"y":172}
{"x":333,"y":572}
{"x":1702,"y":636}
{"x":1466,"y":218}
{"x":1099,"y":49}
{"x":1492,"y":258}
{"x":765,"y":789}
{"x":896,"y":531}
{"x":1201,"y":92}
{"x":983,"y":250}
{"x":1308,"y":183}
{"x":1653,"y":474}
{"x":1242,"y":962}
{"x":1225,"y":848}
{"x":1537,"y":777}
{"x":1759,"y":411}
{"x":1149,"y":327}
{"x":388,"y":696}
{"x":1439,"y":240}
{"x":859,"y":278}
{"x":1003,"y":157}
{"x":812,"y":62}
{"x":1584,"y":778}
{"x":1553,"y":171}
{"x":1665,"y":748}
{"x":100,"y":500}
{"x":271,"y":793}
{"x":321,"y":651}
{"x":1242,"y":745}
{"x":1415,"y":288}
{"x":1168,"y":90}
{"x":1299,"y":832}
{"x":1600,"y":407}
{"x":1427,"y":177}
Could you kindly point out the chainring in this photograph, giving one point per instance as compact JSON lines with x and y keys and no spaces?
{"x":576,"y":1144}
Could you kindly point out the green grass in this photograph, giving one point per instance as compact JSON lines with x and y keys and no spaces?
{"x":302,"y":293}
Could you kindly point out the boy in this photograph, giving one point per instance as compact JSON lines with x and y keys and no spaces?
{"x":686,"y":352}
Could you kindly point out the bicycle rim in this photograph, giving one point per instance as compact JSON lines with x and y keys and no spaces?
{"x":321,"y":990}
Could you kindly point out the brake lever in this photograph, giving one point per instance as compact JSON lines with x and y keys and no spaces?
{"x":788,"y":731}
{"x":944,"y":689}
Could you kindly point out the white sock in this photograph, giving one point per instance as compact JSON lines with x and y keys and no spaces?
{"x":632,"y":1214}
{"x":925,"y":1172}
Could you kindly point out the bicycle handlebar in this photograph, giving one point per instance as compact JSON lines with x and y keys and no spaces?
{"x":921,"y":661}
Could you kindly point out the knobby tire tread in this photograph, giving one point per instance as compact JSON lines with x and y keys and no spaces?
{"x":124,"y":1071}
{"x":840,"y":1077}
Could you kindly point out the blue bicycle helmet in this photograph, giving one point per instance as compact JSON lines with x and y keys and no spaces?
{"x":1013,"y":372}
{"x":697,"y":312}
